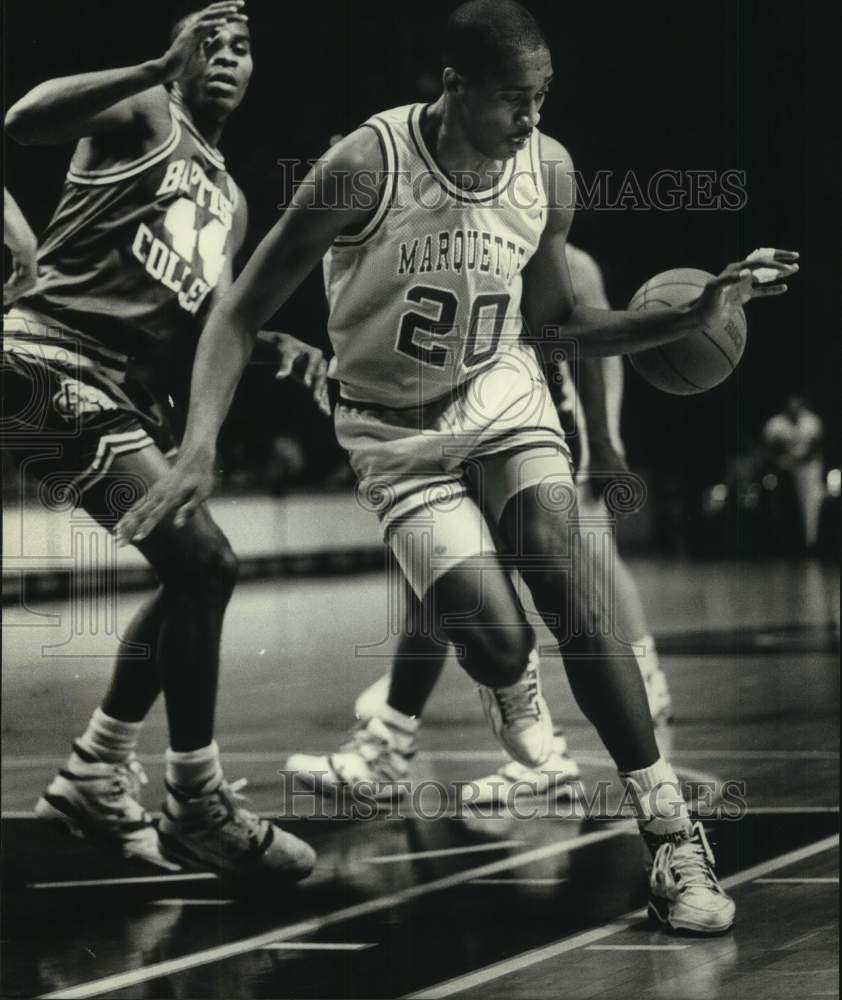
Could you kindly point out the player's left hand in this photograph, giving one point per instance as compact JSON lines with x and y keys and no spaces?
{"x":759,"y":275}
{"x":305,"y":364}
{"x":24,"y":274}
{"x":605,"y":464}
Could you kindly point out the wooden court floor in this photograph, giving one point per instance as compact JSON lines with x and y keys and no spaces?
{"x":544,"y":903}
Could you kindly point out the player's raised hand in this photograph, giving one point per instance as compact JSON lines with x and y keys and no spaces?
{"x":196,"y":30}
{"x":761,"y":274}
{"x":305,"y":364}
{"x":182,"y":489}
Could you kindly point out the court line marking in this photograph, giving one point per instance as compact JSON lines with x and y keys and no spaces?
{"x":193,"y":902}
{"x":386,"y":859}
{"x":319,"y":946}
{"x":517,"y":881}
{"x":797,"y":881}
{"x":636,"y":947}
{"x":136,"y":880}
{"x":787,"y":810}
{"x":156,"y":970}
{"x":795,"y":942}
{"x":537,"y":955}
{"x":752,"y":810}
{"x":257,"y":756}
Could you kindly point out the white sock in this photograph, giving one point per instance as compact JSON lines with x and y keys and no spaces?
{"x":655,"y":793}
{"x":109,"y":739}
{"x":193,"y":771}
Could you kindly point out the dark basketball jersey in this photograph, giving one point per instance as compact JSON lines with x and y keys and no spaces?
{"x":133,"y":251}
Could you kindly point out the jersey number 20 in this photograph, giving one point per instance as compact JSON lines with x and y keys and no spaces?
{"x":432,"y":337}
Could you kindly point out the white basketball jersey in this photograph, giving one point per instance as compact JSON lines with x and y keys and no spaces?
{"x":429,"y":292}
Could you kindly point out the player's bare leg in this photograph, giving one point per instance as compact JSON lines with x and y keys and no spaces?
{"x":613,"y":577}
{"x":418,"y":661}
{"x":632,"y":624}
{"x":136,"y":683}
{"x":609,"y":689}
{"x":378,"y":752}
{"x":197,"y":571}
{"x":416,"y":667}
{"x":494,"y":644}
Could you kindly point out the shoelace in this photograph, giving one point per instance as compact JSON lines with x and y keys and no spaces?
{"x":367,"y":743}
{"x":129,"y":777}
{"x":229,"y":798}
{"x":689,"y":863}
{"x":520,"y":701}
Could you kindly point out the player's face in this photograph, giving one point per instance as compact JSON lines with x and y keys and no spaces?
{"x":500,"y":112}
{"x":219,"y":75}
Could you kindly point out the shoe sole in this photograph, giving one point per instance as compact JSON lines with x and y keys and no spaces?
{"x":50,"y":813}
{"x":173,"y":850}
{"x":308,"y":782}
{"x":548,"y":796}
{"x":688,"y":930}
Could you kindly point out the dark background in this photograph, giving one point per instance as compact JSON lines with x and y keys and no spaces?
{"x":725,"y":85}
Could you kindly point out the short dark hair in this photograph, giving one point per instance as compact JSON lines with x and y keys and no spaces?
{"x":482,"y":35}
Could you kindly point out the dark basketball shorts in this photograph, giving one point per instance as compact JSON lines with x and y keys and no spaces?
{"x":66,"y":416}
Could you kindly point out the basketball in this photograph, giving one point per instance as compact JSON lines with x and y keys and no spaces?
{"x":703,"y":358}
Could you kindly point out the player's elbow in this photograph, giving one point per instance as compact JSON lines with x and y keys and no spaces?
{"x":20,"y":123}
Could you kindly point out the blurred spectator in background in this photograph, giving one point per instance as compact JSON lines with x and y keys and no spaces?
{"x":793,"y":441}
{"x":285,"y":464}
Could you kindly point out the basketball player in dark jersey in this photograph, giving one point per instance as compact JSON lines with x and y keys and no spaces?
{"x":140,"y":245}
{"x":496,"y":72}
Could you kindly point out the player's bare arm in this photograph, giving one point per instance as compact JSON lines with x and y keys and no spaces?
{"x":548,"y":300}
{"x":129,"y":101}
{"x":605,"y":460}
{"x":287,"y":254}
{"x":22,"y":244}
{"x":294,"y":358}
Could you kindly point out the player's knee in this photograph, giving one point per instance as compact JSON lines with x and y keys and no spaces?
{"x":498,"y":656}
{"x":206,"y":569}
{"x":223,"y":566}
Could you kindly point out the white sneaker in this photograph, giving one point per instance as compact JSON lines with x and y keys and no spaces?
{"x":99,"y":801}
{"x":520,"y":718}
{"x":684,"y":893}
{"x":212,"y":832}
{"x":374,"y":761}
{"x":552,"y":779}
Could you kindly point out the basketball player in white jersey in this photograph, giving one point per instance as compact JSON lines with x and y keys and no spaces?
{"x":377,"y":755}
{"x":444,"y":407}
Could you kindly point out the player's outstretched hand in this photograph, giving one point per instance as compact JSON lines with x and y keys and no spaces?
{"x":761,"y":274}
{"x":24,"y":275}
{"x":305,"y":364}
{"x":196,"y":30}
{"x":183,"y":488}
{"x":23,"y":246}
